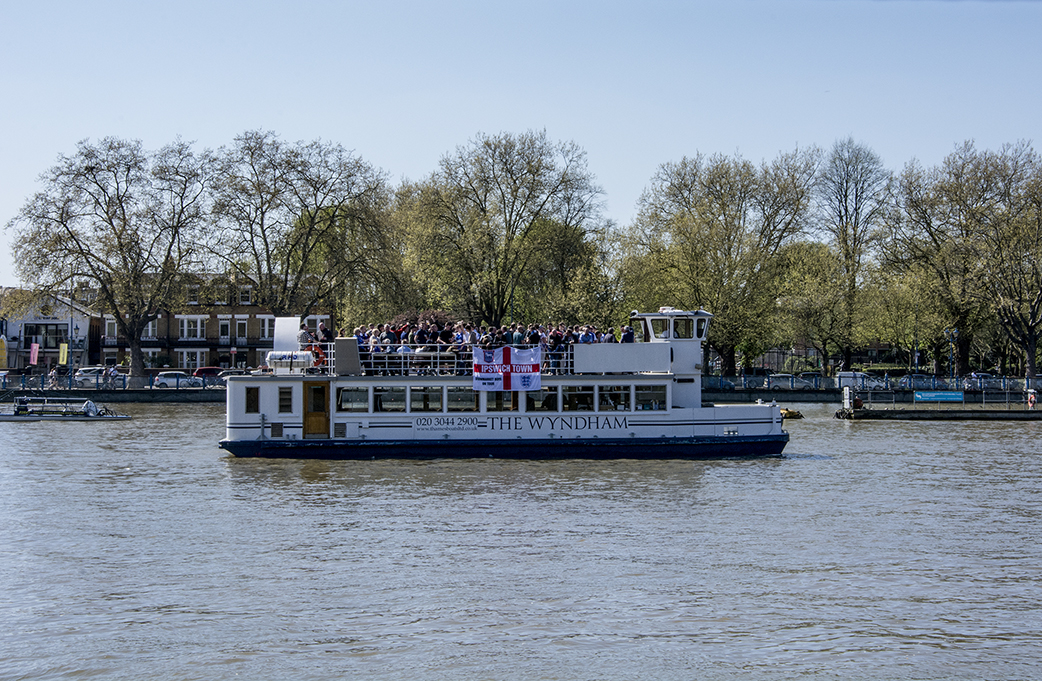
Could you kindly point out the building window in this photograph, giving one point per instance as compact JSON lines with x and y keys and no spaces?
{"x":192,"y":328}
{"x":110,"y":328}
{"x":285,"y":400}
{"x":193,"y":294}
{"x":267,"y":327}
{"x":240,"y":330}
{"x":253,"y":400}
{"x":49,"y":336}
{"x":224,"y":329}
{"x":245,"y":295}
{"x":191,"y":359}
{"x":150,"y":330}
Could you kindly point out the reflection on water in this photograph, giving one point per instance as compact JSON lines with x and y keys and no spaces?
{"x":871,"y":550}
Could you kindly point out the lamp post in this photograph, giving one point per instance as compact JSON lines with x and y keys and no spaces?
{"x":952,"y":335}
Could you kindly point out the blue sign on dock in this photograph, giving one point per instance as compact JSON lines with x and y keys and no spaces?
{"x":938,"y":396}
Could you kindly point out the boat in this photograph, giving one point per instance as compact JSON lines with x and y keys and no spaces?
{"x":639,"y":400}
{"x":35,"y":409}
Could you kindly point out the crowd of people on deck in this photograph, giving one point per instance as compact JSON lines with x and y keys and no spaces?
{"x":459,"y":339}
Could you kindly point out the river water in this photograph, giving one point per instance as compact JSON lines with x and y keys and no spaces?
{"x":871,"y":550}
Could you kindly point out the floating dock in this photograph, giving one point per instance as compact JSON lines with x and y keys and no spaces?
{"x":939,"y":415}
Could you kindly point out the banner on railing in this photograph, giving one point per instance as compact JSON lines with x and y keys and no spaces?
{"x":507,"y":369}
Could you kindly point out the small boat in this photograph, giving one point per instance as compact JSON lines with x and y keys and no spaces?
{"x":58,"y":409}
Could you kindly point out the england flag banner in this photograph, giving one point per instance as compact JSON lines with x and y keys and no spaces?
{"x":507,"y":369}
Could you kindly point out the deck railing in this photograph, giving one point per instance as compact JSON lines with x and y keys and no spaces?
{"x":405,"y":359}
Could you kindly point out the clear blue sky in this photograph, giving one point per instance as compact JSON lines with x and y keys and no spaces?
{"x":636,"y":84}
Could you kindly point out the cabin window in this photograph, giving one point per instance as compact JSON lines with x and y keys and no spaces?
{"x":352,"y":399}
{"x":461,"y":399}
{"x":660,"y":328}
{"x":701,"y":328}
{"x":542,"y":400}
{"x":285,"y":400}
{"x":684,"y":327}
{"x":651,"y":397}
{"x":501,"y":400}
{"x":389,"y":399}
{"x":614,"y":398}
{"x":425,"y":399}
{"x":253,"y":400}
{"x":577,"y":397}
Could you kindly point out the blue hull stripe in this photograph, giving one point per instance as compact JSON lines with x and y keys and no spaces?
{"x":541,"y":449}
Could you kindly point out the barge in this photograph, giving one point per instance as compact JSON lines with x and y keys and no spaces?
{"x":639,"y":400}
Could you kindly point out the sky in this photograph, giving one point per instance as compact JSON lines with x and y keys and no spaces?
{"x":405,"y":82}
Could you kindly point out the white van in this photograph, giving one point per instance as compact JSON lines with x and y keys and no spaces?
{"x":859,"y":380}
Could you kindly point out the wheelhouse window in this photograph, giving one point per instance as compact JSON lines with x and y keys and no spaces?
{"x":352,"y":399}
{"x":660,"y":328}
{"x":683,"y":327}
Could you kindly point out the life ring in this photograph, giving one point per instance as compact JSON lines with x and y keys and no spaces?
{"x":320,"y":356}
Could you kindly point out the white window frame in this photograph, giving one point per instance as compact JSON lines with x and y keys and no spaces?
{"x":190,"y":323}
{"x":267,"y":327}
{"x":191,"y":359}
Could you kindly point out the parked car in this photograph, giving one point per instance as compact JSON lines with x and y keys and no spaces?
{"x":788,"y":382}
{"x":755,"y":377}
{"x":921,"y":382}
{"x":233,"y":372}
{"x":816,"y":379}
{"x":859,"y":380}
{"x":979,"y":380}
{"x":209,"y":375}
{"x":90,"y":377}
{"x":176,"y":379}
{"x":717,"y":383}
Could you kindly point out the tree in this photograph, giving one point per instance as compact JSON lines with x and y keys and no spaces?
{"x":852,"y":193}
{"x":973,"y":224}
{"x":486,"y":212}
{"x":710,"y":229}
{"x":1007,"y":225}
{"x":811,"y":296}
{"x":299,"y":222}
{"x":119,"y":219}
